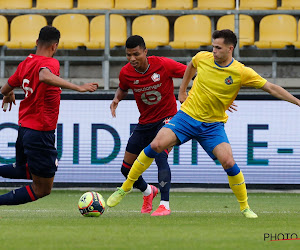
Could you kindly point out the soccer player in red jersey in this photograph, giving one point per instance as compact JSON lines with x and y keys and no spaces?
{"x":36,"y":155}
{"x":151,"y":80}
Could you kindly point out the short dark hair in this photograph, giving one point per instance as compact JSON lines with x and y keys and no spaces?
{"x":49,"y":35}
{"x":228,"y":35}
{"x":134,"y":41}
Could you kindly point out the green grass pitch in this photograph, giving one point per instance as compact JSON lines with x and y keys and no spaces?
{"x":198,"y":220}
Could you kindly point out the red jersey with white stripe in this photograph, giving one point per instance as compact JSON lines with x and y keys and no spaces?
{"x":154,"y":89}
{"x":40,"y":107}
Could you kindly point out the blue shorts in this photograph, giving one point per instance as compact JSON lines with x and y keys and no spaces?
{"x":209,"y":135}
{"x":143,"y":135}
{"x":37,"y":149}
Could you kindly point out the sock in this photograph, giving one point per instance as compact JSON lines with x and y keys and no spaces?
{"x":140,"y":184}
{"x":237,"y":185}
{"x":148,"y":190}
{"x":164,"y":175}
{"x":18,"y":196}
{"x":13,"y":171}
{"x":165,"y":203}
{"x":139,"y":166}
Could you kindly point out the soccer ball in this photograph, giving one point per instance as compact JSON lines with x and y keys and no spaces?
{"x":91,"y":204}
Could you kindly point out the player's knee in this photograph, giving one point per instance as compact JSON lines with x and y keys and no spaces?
{"x":157,"y":146}
{"x":228,"y":163}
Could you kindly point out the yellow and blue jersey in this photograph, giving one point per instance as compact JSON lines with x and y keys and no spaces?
{"x":216,"y":87}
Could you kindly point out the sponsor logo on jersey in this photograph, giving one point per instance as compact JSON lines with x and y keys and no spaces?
{"x":156,"y":86}
{"x":228,"y":80}
{"x":155,"y":77}
{"x":136,"y":82}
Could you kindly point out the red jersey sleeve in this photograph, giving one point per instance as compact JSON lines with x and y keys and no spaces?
{"x":122,"y":80}
{"x":14,"y":81}
{"x":174,"y":69}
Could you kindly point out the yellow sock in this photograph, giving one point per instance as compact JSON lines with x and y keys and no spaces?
{"x":139,"y":166}
{"x":238,"y":186}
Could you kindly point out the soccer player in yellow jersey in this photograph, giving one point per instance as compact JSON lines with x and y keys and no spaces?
{"x":202,"y":114}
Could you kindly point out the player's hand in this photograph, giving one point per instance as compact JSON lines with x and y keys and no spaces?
{"x":232,"y":107}
{"x":113,"y":107}
{"x":91,"y":87}
{"x":7,"y":101}
{"x":182,"y":96}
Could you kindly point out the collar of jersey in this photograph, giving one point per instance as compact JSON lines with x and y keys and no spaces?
{"x":144,"y":71}
{"x":226,"y":65}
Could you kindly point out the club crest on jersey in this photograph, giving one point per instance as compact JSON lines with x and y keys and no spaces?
{"x":136,"y":82}
{"x":228,"y":80}
{"x":155,"y":77}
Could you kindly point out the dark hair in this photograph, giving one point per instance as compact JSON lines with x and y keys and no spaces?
{"x":228,"y":35}
{"x":49,"y":35}
{"x":134,"y":41}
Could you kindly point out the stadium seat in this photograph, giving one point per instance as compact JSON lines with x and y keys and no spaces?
{"x":118,"y":32}
{"x":174,"y":4}
{"x":74,"y":30}
{"x":277,"y":31}
{"x":153,"y":28}
{"x":133,"y":4}
{"x":54,"y":4}
{"x":15,"y":4}
{"x":24,"y":31}
{"x":191,"y":32}
{"x":3,"y":30}
{"x":289,"y":5}
{"x":297,"y":43}
{"x":215,"y":5}
{"x":246,"y":28}
{"x":95,"y":4}
{"x":258,"y":4}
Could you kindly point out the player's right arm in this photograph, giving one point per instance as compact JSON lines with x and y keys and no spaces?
{"x":47,"y":77}
{"x":187,"y":77}
{"x":119,"y":96}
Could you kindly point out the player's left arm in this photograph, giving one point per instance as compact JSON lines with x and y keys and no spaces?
{"x":280,"y":93}
{"x":8,"y":97}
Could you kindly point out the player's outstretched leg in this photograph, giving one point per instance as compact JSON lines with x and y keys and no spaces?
{"x":14,"y":171}
{"x":18,"y":196}
{"x":148,"y":191}
{"x":238,"y":186}
{"x":164,"y":181}
{"x":143,"y":161}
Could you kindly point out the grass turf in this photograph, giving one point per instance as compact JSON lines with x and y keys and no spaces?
{"x":197,"y":221}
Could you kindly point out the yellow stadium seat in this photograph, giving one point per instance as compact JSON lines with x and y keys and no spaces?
{"x":118,"y":32}
{"x":174,"y":4}
{"x":24,"y":31}
{"x":153,"y":28}
{"x":258,"y":4}
{"x":15,"y":4}
{"x":133,"y":4}
{"x":191,"y":32}
{"x":297,"y":43}
{"x":74,"y":30}
{"x":215,"y":5}
{"x":95,"y":4}
{"x":3,"y":30}
{"x":277,"y":31}
{"x":289,"y":5}
{"x":54,"y":4}
{"x":246,"y":28}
